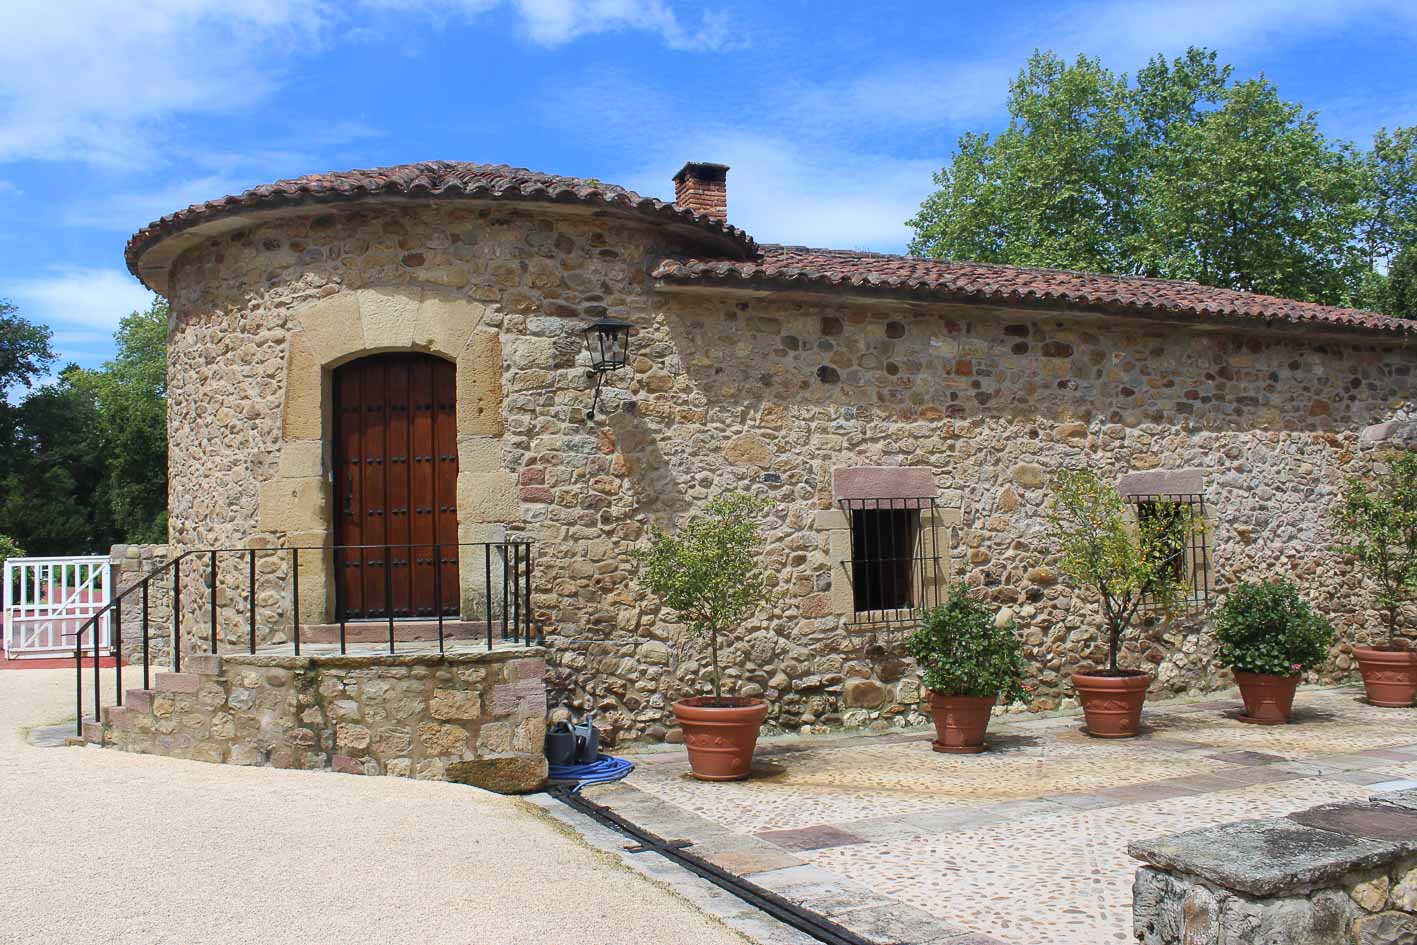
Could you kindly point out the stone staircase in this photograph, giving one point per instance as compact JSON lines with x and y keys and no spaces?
{"x":168,"y":719}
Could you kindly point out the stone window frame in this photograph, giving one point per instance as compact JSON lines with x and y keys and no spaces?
{"x":1179,"y":487}
{"x":901,"y":486}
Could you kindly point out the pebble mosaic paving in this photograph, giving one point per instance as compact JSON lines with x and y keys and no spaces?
{"x":1024,"y":844}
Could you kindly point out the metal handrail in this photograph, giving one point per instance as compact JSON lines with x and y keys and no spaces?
{"x":515,"y":592}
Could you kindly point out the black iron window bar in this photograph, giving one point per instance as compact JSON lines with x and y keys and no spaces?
{"x":505,"y":609}
{"x":897,"y":569}
{"x":1187,"y":553}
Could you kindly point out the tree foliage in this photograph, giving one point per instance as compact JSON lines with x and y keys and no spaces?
{"x":1268,"y":628}
{"x":85,"y":463}
{"x":1126,"y":560}
{"x":1182,"y":173}
{"x":1377,"y":524}
{"x":962,"y":650}
{"x":707,"y":572}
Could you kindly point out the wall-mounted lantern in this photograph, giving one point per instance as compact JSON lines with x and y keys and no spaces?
{"x":608,"y":341}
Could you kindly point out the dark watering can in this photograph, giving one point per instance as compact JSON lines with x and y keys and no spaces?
{"x":570,"y":743}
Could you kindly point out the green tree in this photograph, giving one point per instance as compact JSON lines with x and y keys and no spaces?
{"x":1400,"y":284}
{"x":50,"y":480}
{"x":86,"y":459}
{"x":1183,"y":173}
{"x":1389,"y":221}
{"x":130,"y":396}
{"x":1052,"y":188}
{"x":24,"y":349}
{"x":1126,"y":560}
{"x":707,"y":572}
{"x":1376,"y":523}
{"x":25,"y":355}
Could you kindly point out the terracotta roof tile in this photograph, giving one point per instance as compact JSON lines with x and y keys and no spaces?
{"x":789,"y":266}
{"x":435,"y":179}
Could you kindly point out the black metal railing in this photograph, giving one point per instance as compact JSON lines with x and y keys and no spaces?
{"x":505,"y":606}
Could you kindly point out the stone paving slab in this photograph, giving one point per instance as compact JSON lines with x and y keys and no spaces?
{"x":1026,"y":843}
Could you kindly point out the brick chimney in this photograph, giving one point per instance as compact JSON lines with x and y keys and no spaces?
{"x":703,"y":188}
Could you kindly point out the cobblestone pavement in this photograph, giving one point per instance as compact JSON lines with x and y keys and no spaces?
{"x":1023,"y":844}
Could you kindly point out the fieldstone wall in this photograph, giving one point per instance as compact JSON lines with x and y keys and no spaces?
{"x":473,"y":717}
{"x":129,"y":565}
{"x":1340,"y":874}
{"x":766,"y":391}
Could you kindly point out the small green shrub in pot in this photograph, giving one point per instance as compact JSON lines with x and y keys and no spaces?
{"x":969,"y":662}
{"x":1376,"y":521}
{"x":1269,"y":635}
{"x":707,"y":573}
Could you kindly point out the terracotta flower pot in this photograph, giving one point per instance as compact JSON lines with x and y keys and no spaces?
{"x":960,"y":722}
{"x":720,"y":734}
{"x":1389,"y":676}
{"x":1112,"y":704}
{"x":1268,"y":698}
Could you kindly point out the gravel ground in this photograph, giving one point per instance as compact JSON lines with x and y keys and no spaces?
{"x":101,"y":846}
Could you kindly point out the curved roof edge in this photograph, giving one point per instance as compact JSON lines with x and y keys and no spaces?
{"x":152,"y":249}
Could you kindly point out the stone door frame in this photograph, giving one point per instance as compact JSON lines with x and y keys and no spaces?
{"x":296,"y":506}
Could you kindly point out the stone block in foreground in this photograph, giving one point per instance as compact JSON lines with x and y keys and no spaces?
{"x":1337,"y":874}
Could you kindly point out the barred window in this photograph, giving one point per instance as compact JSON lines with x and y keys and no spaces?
{"x":898,"y":565}
{"x":1185,"y":551}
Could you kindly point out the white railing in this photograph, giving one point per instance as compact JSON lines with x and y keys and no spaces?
{"x":47,"y":601}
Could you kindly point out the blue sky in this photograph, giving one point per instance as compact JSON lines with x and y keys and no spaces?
{"x":832,"y":115}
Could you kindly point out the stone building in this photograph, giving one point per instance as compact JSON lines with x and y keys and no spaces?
{"x":903,"y":415}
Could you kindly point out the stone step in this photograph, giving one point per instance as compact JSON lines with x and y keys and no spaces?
{"x":405,"y":631}
{"x":93,"y":733}
{"x":115,"y":715}
{"x":177,"y":682}
{"x":138,"y":700}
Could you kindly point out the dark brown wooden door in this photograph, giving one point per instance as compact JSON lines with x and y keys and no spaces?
{"x":396,"y":475}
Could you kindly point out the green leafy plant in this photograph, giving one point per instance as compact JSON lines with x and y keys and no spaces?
{"x":1377,"y":525}
{"x":9,"y":548}
{"x":1268,"y":628}
{"x":707,"y":572}
{"x":961,"y":650}
{"x":1127,"y":560}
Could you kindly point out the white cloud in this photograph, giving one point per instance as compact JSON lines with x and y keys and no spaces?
{"x":78,"y":299}
{"x":10,"y":187}
{"x":969,"y":86}
{"x":99,"y":81}
{"x":129,"y":212}
{"x":554,"y":22}
{"x":95,"y":80}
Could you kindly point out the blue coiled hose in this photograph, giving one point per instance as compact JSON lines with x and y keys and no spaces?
{"x":602,"y":770}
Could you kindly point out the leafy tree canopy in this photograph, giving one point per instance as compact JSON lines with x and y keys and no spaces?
{"x":24,"y":349}
{"x":1183,"y":172}
{"x":86,"y":462}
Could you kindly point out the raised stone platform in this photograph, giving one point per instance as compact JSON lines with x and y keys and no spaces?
{"x":1336,"y":874}
{"x":468,"y":714}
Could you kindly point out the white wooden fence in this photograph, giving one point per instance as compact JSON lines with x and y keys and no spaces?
{"x":47,"y":600}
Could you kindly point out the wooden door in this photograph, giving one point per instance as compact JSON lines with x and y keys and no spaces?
{"x":396,"y":474}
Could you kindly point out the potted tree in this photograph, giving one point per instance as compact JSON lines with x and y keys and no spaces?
{"x":1268,"y":635}
{"x":1126,"y":561}
{"x":1378,"y":527}
{"x":707,"y":574}
{"x":968,"y":663}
